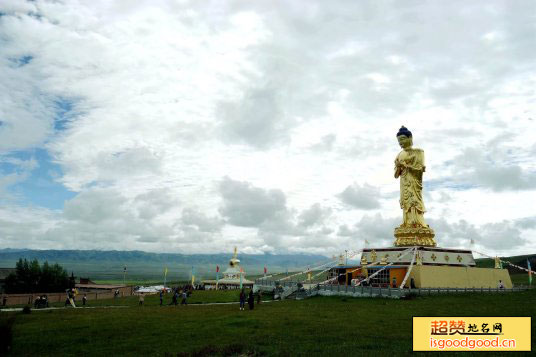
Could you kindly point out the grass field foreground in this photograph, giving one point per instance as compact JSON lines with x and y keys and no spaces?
{"x":320,"y":325}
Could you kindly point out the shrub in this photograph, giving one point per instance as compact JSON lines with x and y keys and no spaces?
{"x":6,"y":334}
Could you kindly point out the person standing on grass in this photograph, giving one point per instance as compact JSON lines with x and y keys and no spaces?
{"x":251,"y":300}
{"x":161,"y":297}
{"x":69,"y":296}
{"x":184,"y":297}
{"x":501,"y":285}
{"x":175,"y":297}
{"x":142,"y":299}
{"x":84,"y":300}
{"x":242,"y":299}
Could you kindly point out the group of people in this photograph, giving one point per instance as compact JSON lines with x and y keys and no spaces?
{"x":71,"y":296}
{"x":250,"y":299}
{"x":41,"y":302}
{"x":176,"y":294}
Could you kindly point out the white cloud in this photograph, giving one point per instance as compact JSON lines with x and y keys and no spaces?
{"x":146,"y":106}
{"x":192,"y":217}
{"x":248,"y":206}
{"x":361,"y":196}
{"x":315,"y":215}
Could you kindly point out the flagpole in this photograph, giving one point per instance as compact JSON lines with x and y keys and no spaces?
{"x":165,"y":275}
{"x":530,"y":271}
{"x":217,"y":276}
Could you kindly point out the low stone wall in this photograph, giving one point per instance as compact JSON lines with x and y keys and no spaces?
{"x":359,"y":291}
{"x":367,"y":291}
{"x":28,"y":299}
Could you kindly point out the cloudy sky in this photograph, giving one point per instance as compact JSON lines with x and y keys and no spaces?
{"x":195,"y":126}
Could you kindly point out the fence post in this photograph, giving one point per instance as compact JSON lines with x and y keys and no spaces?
{"x":389,"y":291}
{"x":380,"y":290}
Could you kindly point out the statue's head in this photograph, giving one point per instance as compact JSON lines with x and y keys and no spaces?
{"x":405,"y":138}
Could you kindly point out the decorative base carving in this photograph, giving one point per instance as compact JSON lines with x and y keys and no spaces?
{"x":414,"y":236}
{"x":425,"y":256}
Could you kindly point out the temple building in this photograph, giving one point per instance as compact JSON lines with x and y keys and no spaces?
{"x":233,"y":277}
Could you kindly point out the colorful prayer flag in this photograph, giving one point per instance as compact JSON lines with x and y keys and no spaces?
{"x":530,"y":271}
{"x":217,"y":268}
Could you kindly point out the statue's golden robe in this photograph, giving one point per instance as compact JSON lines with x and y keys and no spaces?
{"x":409,"y":166}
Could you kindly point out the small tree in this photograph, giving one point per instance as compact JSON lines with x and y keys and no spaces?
{"x":30,"y":277}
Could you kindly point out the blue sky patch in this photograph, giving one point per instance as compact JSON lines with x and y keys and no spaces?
{"x":64,"y":113}
{"x":40,"y":187}
{"x":21,"y":61}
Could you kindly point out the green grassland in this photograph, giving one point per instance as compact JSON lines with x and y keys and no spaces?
{"x":317,"y":326}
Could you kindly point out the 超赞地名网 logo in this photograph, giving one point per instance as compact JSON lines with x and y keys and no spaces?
{"x":460,"y":327}
{"x":471,"y":333}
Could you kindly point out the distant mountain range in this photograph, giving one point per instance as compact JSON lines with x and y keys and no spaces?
{"x":519,"y":260}
{"x":109,"y":265}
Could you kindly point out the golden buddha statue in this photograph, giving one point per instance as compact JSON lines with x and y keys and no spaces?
{"x":409,"y":167}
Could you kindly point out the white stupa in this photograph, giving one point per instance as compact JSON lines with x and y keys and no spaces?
{"x":231,"y":276}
